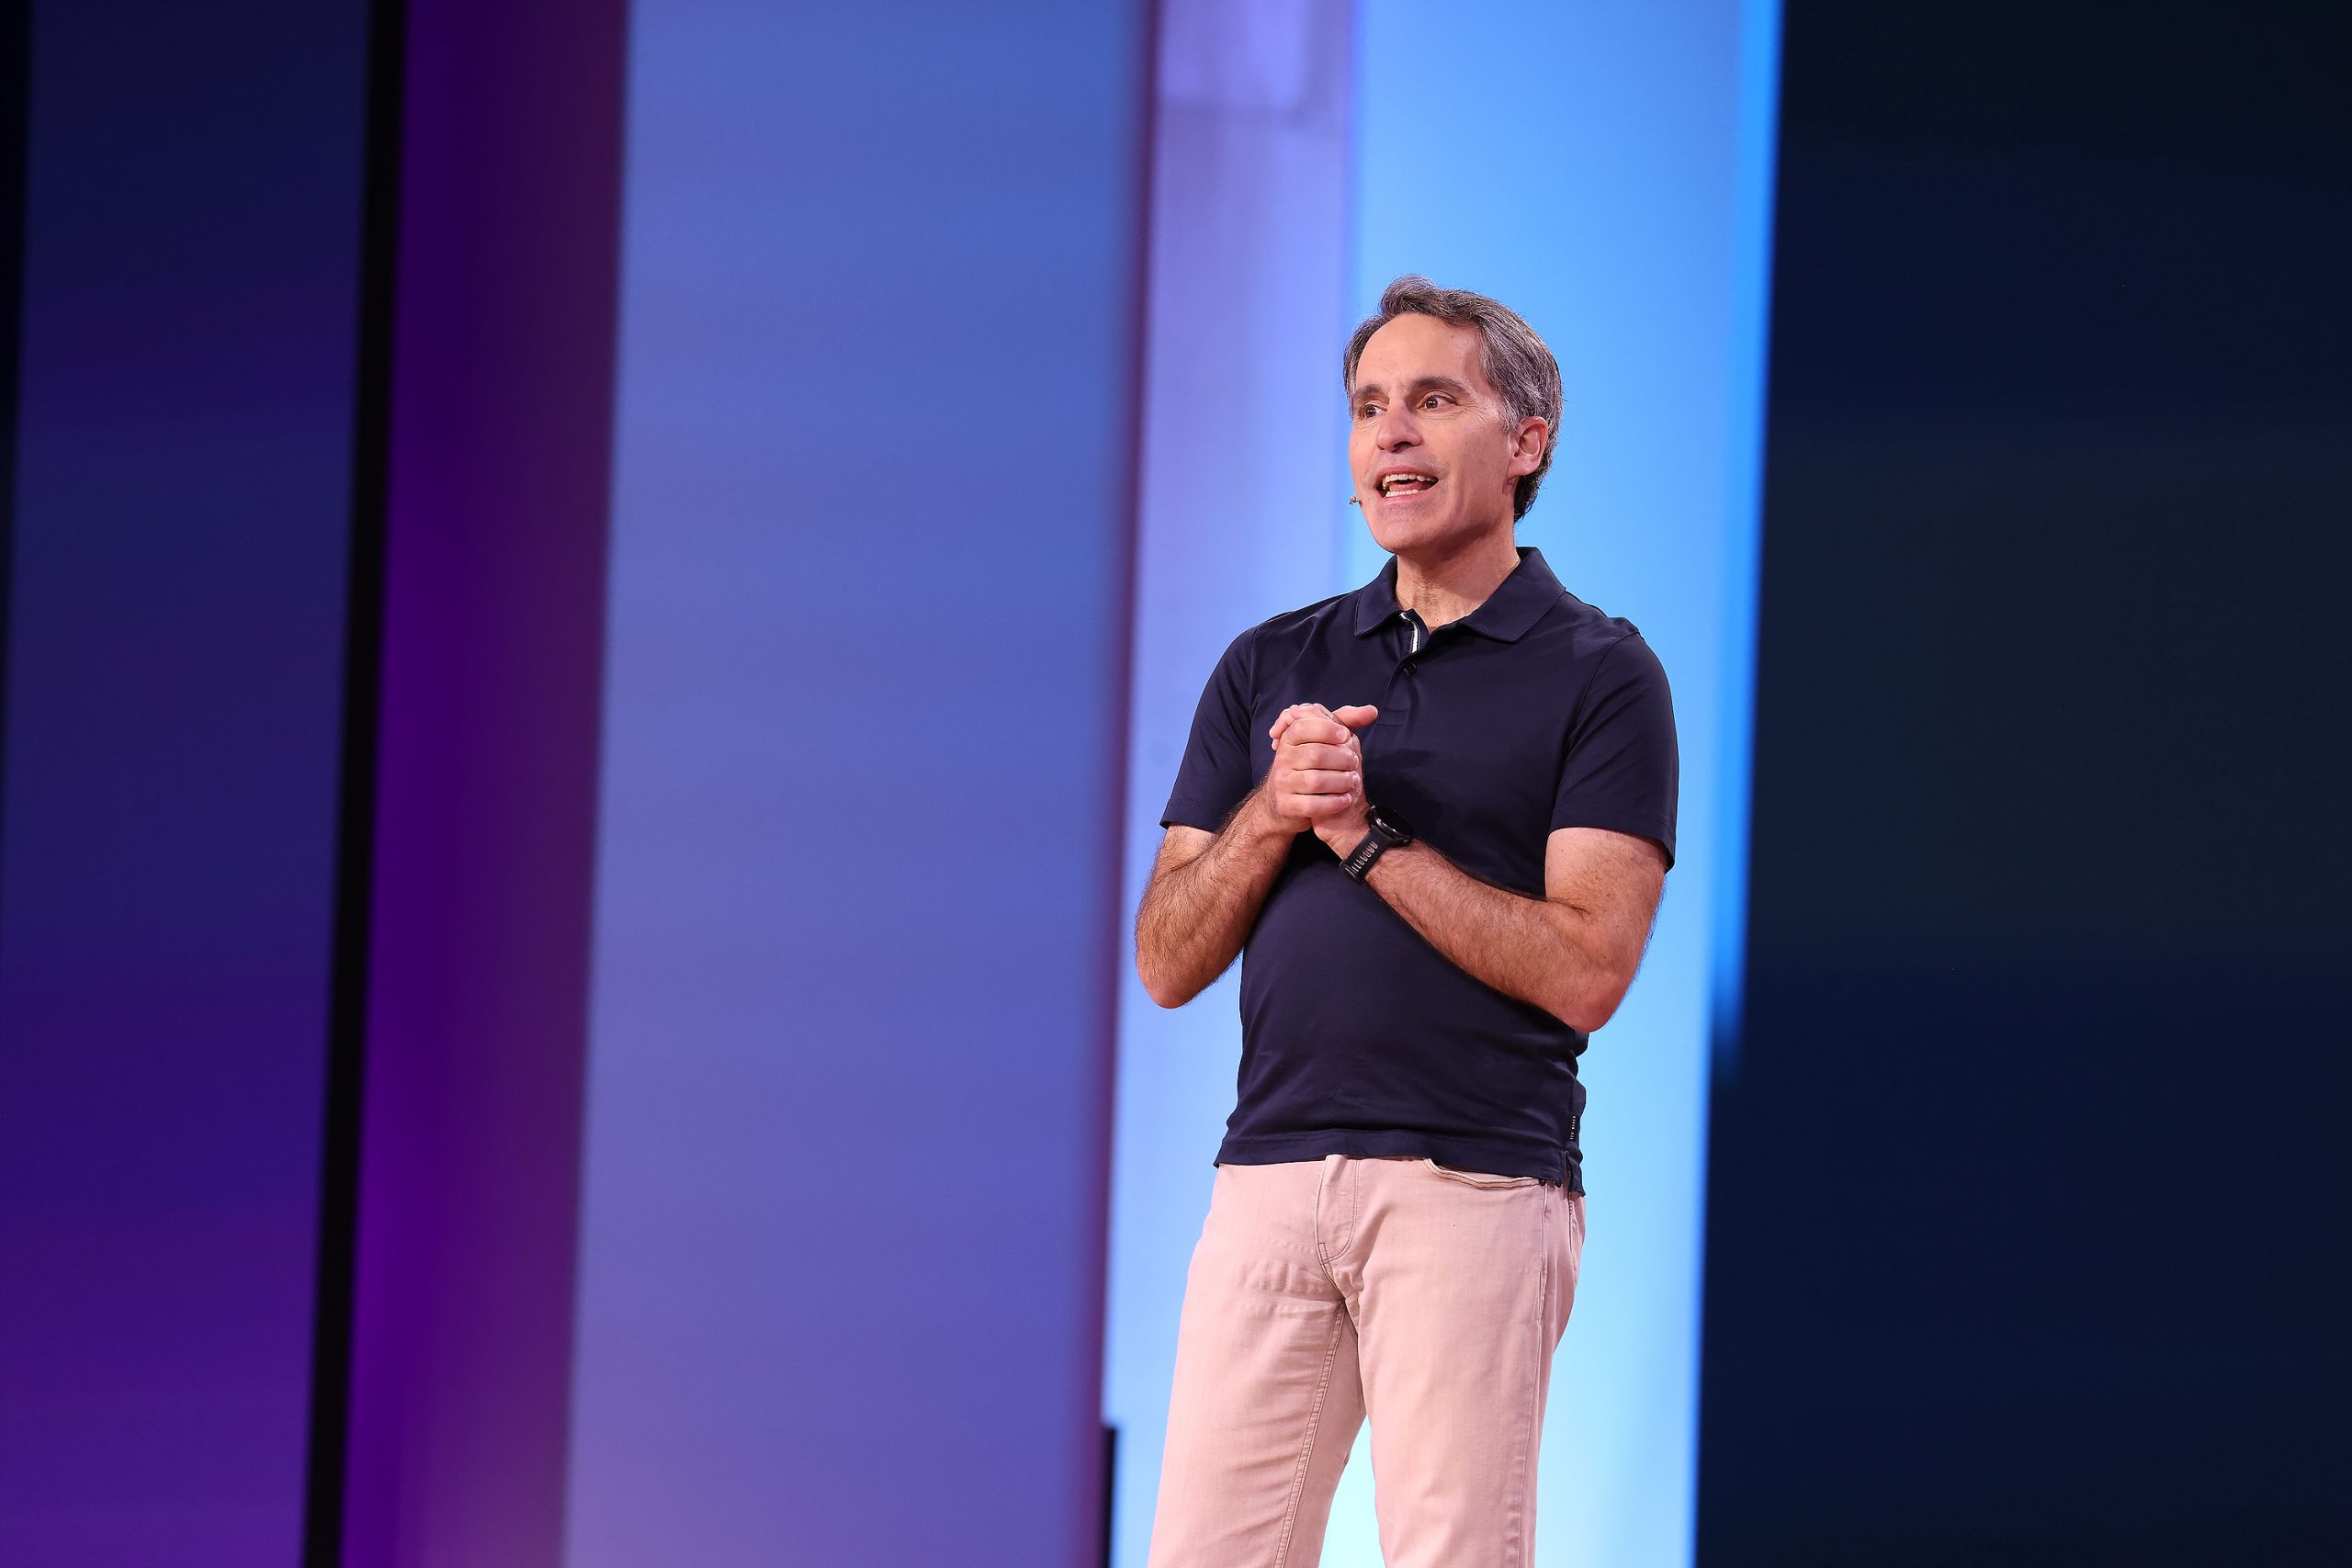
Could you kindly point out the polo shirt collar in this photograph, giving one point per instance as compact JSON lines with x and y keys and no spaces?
{"x":1517,"y":603}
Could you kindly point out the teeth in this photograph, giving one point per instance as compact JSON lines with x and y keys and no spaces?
{"x":1389,"y":485}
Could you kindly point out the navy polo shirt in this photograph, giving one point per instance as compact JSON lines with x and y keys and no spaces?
{"x":1534,"y":712}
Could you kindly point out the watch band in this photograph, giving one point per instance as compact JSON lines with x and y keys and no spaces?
{"x":1379,"y":836}
{"x":1359,"y":862}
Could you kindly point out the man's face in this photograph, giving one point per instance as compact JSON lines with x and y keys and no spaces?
{"x":1434,"y":455}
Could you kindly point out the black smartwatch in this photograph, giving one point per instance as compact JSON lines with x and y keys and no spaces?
{"x":1385,"y":833}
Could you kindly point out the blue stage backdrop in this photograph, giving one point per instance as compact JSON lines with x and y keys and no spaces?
{"x":749,"y":1022}
{"x":843,"y":1205}
{"x":1607,"y":171}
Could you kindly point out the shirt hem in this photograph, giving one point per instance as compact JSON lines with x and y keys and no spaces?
{"x":1194,"y":814}
{"x":1617,"y":822}
{"x":1561,"y":1167}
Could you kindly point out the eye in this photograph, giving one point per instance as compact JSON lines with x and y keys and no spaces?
{"x":1432,"y":399}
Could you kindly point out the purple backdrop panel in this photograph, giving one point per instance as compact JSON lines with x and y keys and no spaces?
{"x":174,"y":710}
{"x":493,"y":603}
{"x":842,"y":1268}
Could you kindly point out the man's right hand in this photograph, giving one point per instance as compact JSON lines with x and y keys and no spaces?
{"x":1318,"y":772}
{"x":1207,"y":888}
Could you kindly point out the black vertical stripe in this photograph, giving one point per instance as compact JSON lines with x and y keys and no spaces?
{"x":364,"y":619}
{"x":16,"y":96}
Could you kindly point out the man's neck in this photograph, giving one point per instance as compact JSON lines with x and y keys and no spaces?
{"x":1441,"y":588}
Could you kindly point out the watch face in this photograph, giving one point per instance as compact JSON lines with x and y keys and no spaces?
{"x":1389,"y":826}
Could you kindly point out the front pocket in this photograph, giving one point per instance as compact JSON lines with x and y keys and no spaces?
{"x":1478,"y":1178}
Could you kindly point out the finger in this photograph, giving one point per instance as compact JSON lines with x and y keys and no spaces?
{"x":1284,"y":721}
{"x":1321,"y":780}
{"x":1316,"y":730}
{"x":1292,"y":713}
{"x":1318,"y":807}
{"x":1317,"y":754}
{"x":1358,"y":717}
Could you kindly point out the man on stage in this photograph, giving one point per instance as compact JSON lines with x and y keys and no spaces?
{"x":1439,"y":810}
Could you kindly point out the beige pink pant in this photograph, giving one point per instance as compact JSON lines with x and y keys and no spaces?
{"x":1326,"y":1290}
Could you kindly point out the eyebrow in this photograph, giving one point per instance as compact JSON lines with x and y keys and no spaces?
{"x":1424,"y":384}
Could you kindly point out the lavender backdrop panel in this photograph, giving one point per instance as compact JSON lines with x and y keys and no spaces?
{"x":1243,"y":514}
{"x":174,"y":711}
{"x":842,"y":1266}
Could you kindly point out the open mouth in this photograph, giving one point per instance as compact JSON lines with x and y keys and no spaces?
{"x":1401,"y":483}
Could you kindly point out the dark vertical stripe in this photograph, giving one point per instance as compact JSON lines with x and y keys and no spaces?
{"x":15,"y":87}
{"x":363,"y":622}
{"x":1110,"y":1491}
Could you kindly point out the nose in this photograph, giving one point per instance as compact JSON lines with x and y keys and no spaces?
{"x":1395,"y":431}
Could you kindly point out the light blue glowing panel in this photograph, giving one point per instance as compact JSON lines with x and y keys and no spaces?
{"x":1606,"y":170}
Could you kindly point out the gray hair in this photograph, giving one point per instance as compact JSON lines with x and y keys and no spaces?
{"x":1514,"y":359}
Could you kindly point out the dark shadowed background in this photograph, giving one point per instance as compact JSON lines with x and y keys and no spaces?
{"x":2014,"y":1248}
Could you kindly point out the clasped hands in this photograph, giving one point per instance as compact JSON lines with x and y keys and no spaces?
{"x":1316,"y":783}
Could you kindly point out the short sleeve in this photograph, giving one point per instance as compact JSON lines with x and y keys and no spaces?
{"x":1215,"y":774}
{"x":1624,"y":769}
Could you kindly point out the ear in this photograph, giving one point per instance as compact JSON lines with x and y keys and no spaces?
{"x":1528,"y":445}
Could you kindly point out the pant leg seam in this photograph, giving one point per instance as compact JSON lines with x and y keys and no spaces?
{"x":1524,"y":1481}
{"x":1306,"y":1446}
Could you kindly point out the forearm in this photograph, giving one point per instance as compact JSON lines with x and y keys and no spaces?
{"x":1196,"y":916}
{"x":1522,"y":946}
